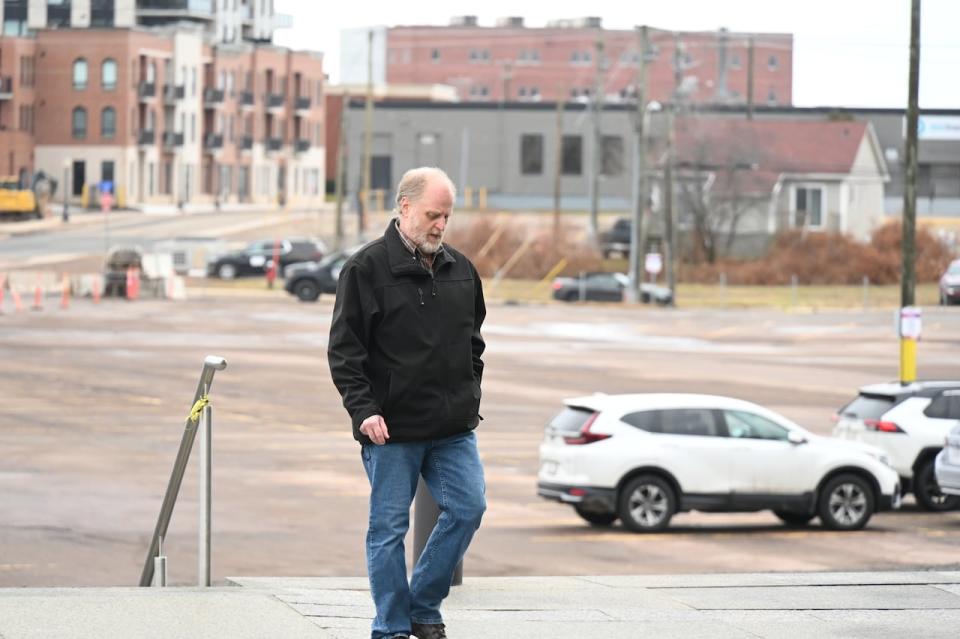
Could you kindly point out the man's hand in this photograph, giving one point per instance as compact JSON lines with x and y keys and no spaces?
{"x":376,"y":429}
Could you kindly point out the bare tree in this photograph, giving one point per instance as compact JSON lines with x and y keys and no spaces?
{"x":718,"y":176}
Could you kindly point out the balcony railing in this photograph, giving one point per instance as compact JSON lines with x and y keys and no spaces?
{"x":213,"y":141}
{"x":173,"y":92}
{"x":146,"y":138}
{"x":302,"y":103}
{"x":274,"y":100}
{"x":246,"y":98}
{"x":274,"y":144}
{"x":147,"y":90}
{"x":212,"y":96}
{"x":303,"y":146}
{"x":6,"y":87}
{"x":171,"y":139}
{"x":246,"y":143}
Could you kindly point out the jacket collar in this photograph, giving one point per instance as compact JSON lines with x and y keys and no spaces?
{"x":402,"y":262}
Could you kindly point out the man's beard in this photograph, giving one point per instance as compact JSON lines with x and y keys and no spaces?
{"x":428,"y":245}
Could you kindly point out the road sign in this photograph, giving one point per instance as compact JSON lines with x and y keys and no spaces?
{"x":911,"y":322}
{"x":653,"y":263}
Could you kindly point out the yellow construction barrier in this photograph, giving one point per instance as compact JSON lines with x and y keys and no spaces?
{"x":483,"y":198}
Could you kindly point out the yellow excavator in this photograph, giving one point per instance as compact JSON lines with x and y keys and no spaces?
{"x":19,"y":201}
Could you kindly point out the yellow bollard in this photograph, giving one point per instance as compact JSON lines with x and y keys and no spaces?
{"x":467,"y":197}
{"x":908,"y":360}
{"x":379,"y":197}
{"x":121,"y":198}
{"x":84,"y":197}
{"x":483,"y":198}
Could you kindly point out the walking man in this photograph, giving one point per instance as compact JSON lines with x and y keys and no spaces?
{"x":404,"y":352}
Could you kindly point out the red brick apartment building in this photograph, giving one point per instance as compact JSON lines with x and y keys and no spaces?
{"x":164,"y":114}
{"x":513,"y":62}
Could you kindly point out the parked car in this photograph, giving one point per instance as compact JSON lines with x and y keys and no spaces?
{"x":910,"y":424}
{"x":606,"y":287}
{"x":950,"y":284}
{"x":617,"y":239}
{"x":642,"y":458}
{"x":947,"y":464}
{"x":257,"y":257}
{"x":307,"y":280}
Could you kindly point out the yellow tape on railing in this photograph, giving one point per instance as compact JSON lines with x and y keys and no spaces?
{"x":198,"y":407}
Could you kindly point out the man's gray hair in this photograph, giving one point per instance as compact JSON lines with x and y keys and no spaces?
{"x":414,"y":182}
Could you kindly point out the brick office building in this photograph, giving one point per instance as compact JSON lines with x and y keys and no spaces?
{"x":512,"y":62}
{"x":168,"y":114}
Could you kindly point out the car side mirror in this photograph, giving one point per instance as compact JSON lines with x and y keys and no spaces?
{"x":796,"y":438}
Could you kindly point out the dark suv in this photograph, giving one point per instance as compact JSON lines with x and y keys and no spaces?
{"x":617,"y":239}
{"x":257,"y":257}
{"x":308,"y":280}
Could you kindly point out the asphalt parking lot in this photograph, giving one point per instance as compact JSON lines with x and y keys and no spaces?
{"x":92,"y":403}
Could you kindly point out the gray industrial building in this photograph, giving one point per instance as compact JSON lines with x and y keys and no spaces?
{"x":511,"y":149}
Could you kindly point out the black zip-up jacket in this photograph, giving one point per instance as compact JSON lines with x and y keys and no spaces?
{"x":405,"y":342}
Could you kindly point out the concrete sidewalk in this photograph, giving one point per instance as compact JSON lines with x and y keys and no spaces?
{"x":820,"y":605}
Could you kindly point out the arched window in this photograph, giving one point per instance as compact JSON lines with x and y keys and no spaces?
{"x":108,"y":122}
{"x":80,"y":73}
{"x":79,"y":122}
{"x":108,"y":74}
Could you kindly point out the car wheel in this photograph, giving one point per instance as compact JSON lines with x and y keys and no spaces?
{"x":846,"y":503}
{"x":595,"y":518}
{"x":227,"y":271}
{"x":646,"y":504}
{"x":794,"y":519}
{"x":306,"y":291}
{"x":927,"y":491}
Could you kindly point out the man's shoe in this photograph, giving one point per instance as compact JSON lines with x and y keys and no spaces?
{"x":429,"y":631}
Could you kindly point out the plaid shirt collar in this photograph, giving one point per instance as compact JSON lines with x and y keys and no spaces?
{"x":426,"y":260}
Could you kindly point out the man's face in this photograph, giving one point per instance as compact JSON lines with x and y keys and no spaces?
{"x":425,"y":220}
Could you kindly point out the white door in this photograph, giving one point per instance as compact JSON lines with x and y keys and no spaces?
{"x":775,"y":465}
{"x":695,"y":450}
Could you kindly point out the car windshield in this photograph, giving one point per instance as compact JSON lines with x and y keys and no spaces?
{"x":868,"y":407}
{"x":954,"y":269}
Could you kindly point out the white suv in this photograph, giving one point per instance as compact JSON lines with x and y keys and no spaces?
{"x":910,"y":423}
{"x":642,"y":458}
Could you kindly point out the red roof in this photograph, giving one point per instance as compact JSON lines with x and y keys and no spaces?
{"x":761,"y":150}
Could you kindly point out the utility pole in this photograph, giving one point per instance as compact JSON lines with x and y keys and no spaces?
{"x":597,"y":158}
{"x":341,"y":167}
{"x":750,"y":77}
{"x":638,"y":236}
{"x":669,"y":226}
{"x":367,"y":140}
{"x":558,"y":165}
{"x":908,"y":337}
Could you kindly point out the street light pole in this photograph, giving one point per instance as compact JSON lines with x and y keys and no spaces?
{"x":66,"y":179}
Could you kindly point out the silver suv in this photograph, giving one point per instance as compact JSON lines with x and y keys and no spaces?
{"x":910,"y":423}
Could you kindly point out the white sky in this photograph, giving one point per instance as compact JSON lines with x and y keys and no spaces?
{"x":846,"y":52}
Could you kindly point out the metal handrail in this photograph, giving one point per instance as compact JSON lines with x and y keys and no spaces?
{"x":211,"y":364}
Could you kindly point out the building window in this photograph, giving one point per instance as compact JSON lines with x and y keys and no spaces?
{"x":26,"y":71}
{"x":531,"y":154}
{"x":572,"y":160}
{"x":522,"y":92}
{"x":80,"y":74}
{"x":808,"y":207}
{"x":612,"y":155}
{"x":575,"y":57}
{"x":79,"y":122}
{"x":108,"y":74}
{"x":772,"y":63}
{"x":735,"y":61}
{"x":108,"y":123}
{"x":435,"y":55}
{"x":771,"y":97}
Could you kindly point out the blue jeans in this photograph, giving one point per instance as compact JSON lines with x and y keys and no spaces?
{"x":452,"y":471}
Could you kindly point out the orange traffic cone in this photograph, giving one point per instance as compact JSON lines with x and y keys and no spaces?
{"x":3,"y":284}
{"x":65,"y":293}
{"x":97,"y":286}
{"x":37,"y":297}
{"x":129,"y":287}
{"x":17,"y":302}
